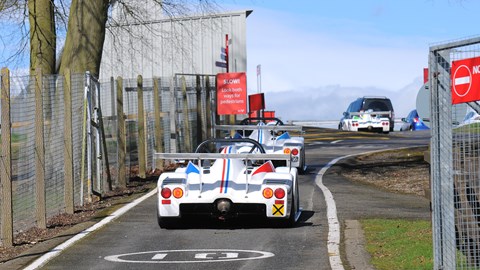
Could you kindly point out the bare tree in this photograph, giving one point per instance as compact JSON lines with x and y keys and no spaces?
{"x":81,"y":24}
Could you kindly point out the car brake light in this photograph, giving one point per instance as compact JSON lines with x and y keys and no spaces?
{"x":415,"y":119}
{"x":279,"y":193}
{"x":267,"y":193}
{"x":166,"y":193}
{"x":178,"y":193}
{"x":295,"y":151}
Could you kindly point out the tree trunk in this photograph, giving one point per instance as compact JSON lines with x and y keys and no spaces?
{"x":85,"y":36}
{"x":42,"y":36}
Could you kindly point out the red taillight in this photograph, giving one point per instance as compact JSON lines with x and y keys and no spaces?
{"x":267,"y":193}
{"x":279,"y":193}
{"x":178,"y":193}
{"x":166,"y":193}
{"x":295,"y":151}
{"x":415,"y":119}
{"x":355,"y":124}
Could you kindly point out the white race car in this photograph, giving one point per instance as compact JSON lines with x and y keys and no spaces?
{"x":367,"y":121}
{"x":274,"y":137}
{"x":226,"y":185}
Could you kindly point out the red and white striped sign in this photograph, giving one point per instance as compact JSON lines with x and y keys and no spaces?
{"x":465,"y":82}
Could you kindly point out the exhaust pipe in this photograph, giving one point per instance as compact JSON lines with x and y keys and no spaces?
{"x":223,"y":206}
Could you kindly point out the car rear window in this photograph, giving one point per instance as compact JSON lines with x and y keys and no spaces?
{"x":378,"y":105}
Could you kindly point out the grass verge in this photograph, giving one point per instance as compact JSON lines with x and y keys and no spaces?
{"x":399,"y":244}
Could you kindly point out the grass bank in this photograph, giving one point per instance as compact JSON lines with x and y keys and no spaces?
{"x":399,"y":244}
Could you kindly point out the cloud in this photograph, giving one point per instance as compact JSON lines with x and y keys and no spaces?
{"x":296,"y":57}
{"x":329,"y":102}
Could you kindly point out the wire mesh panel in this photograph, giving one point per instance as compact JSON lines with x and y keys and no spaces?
{"x":53,"y":110}
{"x":183,"y":116}
{"x":455,"y":155}
{"x":22,"y":108}
{"x":78,"y":123}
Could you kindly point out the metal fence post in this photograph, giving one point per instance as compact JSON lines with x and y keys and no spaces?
{"x":201,"y":130}
{"x":186,"y":122}
{"x":208,"y":107}
{"x":172,"y":116}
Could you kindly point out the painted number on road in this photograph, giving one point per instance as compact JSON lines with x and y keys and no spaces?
{"x":189,"y":256}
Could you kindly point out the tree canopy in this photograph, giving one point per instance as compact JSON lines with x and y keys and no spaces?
{"x":69,"y":34}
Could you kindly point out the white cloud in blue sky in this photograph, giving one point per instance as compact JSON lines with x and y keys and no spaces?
{"x":308,"y":48}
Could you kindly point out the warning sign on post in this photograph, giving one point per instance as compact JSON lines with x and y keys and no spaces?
{"x":231,"y":93}
{"x":465,"y":76}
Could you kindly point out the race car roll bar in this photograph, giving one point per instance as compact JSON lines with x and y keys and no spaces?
{"x":230,"y":141}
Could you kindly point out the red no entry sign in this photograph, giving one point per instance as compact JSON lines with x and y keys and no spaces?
{"x":465,"y":82}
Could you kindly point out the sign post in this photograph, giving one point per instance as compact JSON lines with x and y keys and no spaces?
{"x":259,"y":78}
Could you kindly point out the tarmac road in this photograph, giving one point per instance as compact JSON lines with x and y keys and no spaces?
{"x":134,"y":240}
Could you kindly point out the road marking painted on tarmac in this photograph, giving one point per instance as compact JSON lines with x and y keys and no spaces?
{"x":159,"y":256}
{"x":60,"y":248}
{"x":333,"y":241}
{"x":190,"y":256}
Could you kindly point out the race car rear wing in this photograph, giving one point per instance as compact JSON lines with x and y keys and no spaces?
{"x":389,"y":113}
{"x":209,"y":156}
{"x":254,"y":127}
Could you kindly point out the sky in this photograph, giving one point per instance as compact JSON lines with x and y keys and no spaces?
{"x":317,"y":56}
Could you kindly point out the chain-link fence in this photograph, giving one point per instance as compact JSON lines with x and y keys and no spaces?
{"x":455,"y":156}
{"x":82,"y":127}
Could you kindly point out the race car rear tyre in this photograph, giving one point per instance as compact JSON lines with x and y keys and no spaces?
{"x":167,"y":222}
{"x":290,"y":222}
{"x":302,"y":169}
